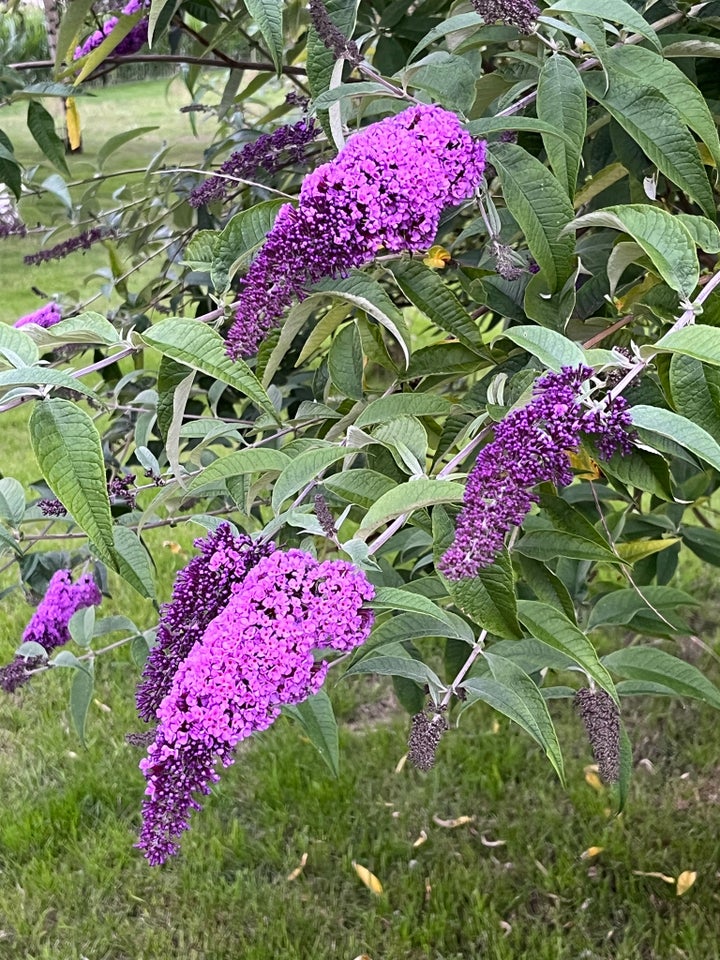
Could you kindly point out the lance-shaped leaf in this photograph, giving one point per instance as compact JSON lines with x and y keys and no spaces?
{"x":562,"y":102}
{"x":198,"y":346}
{"x":620,"y":606}
{"x":546,"y":623}
{"x":133,"y":561}
{"x":268,"y":15}
{"x":42,"y":127}
{"x":404,"y":405}
{"x":307,"y":466}
{"x":511,"y":692}
{"x":256,"y":460}
{"x":317,"y":718}
{"x":407,"y":497}
{"x":679,"y":429}
{"x":68,"y":449}
{"x":407,"y":667}
{"x":239,"y":240}
{"x":656,"y":666}
{"x":552,"y":349}
{"x":614,"y":10}
{"x":345,"y":362}
{"x":695,"y":391}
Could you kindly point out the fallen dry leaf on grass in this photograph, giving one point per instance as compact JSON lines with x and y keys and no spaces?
{"x":451,"y":824}
{"x":368,"y":878}
{"x":298,"y":870}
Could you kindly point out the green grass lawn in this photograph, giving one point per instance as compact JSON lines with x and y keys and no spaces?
{"x":508,"y":883}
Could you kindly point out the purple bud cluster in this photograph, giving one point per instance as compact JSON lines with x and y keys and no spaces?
{"x":46,"y":316}
{"x":514,"y":13}
{"x":119,"y":489}
{"x":270,"y":151}
{"x":48,"y":626}
{"x":202,"y":589}
{"x":83,"y":241}
{"x":130,"y":44}
{"x":530,"y":446}
{"x":386,"y":189}
{"x":255,"y":657}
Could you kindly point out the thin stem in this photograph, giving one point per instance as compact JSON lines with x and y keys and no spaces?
{"x":477,"y":649}
{"x":226,"y":63}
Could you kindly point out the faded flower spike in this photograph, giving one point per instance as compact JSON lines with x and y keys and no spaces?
{"x":253,"y":658}
{"x":514,"y":13}
{"x":202,"y":590}
{"x":531,"y":446}
{"x":386,"y":189}
{"x":331,"y":36}
{"x":48,"y":626}
{"x":601,"y":719}
{"x":83,"y":241}
{"x":426,"y":731}
{"x":46,"y":316}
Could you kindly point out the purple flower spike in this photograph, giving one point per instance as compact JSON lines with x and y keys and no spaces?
{"x":130,"y":44}
{"x":253,"y":658}
{"x":46,"y":316}
{"x":514,"y":13}
{"x":202,"y":589}
{"x":385,"y":190}
{"x":531,"y":446}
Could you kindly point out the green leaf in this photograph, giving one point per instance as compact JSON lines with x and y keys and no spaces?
{"x":664,"y":238}
{"x":170,"y":375}
{"x":541,"y":207}
{"x":241,"y":237}
{"x":650,"y":68}
{"x":616,"y":10}
{"x":317,"y":718}
{"x":401,"y":628}
{"x":71,"y":25}
{"x":547,"y":624}
{"x":10,"y":170}
{"x":698,"y":340}
{"x":360,"y":486}
{"x":404,"y":405}
{"x":486,"y":126}
{"x":679,"y":429}
{"x":307,"y":466}
{"x":703,"y":231}
{"x":82,"y":626}
{"x":255,"y":460}
{"x":85,"y":328}
{"x":133,"y":561}
{"x":660,"y":131}
{"x":367,"y":294}
{"x":345,"y":362}
{"x":81,"y":691}
{"x":618,"y":607}
{"x":18,"y":343}
{"x":695,"y":392}
{"x":68,"y":449}
{"x":642,"y":469}
{"x":344,"y":90}
{"x":656,"y":666}
{"x":43,"y":377}
{"x":407,"y":497}
{"x":200,"y":347}
{"x":704,"y":543}
{"x":268,"y":15}
{"x":546,"y":586}
{"x":12,"y":500}
{"x":512,"y":693}
{"x":551,"y":544}
{"x":552,"y":349}
{"x":119,"y":140}
{"x":562,"y":102}
{"x":489,"y":598}
{"x":199,"y":253}
{"x":122,"y":28}
{"x":399,"y":667}
{"x":447,"y":78}
{"x":426,"y":290}
{"x":462,"y":21}
{"x":42,"y":127}
{"x":392,"y":598}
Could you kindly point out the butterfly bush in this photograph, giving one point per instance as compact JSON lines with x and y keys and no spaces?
{"x":135,"y":39}
{"x":514,"y":13}
{"x":46,"y":316}
{"x":386,"y":189}
{"x":530,"y":446}
{"x":201,"y":591}
{"x":253,"y":658}
{"x":48,"y":626}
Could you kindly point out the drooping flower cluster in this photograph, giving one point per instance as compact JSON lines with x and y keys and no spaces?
{"x":531,"y":446}
{"x":202,"y":590}
{"x":332,"y":36}
{"x":48,"y":626}
{"x":270,"y":151}
{"x":255,"y":657}
{"x":601,"y":719}
{"x":386,"y":189}
{"x":46,"y":316}
{"x":83,"y":241}
{"x":514,"y":13}
{"x":130,"y":44}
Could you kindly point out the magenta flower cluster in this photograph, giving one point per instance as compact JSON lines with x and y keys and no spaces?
{"x":201,"y":591}
{"x":46,"y":316}
{"x":530,"y":446}
{"x":130,"y":44}
{"x":270,"y":151}
{"x":48,"y":626}
{"x":386,"y":189}
{"x":253,"y":658}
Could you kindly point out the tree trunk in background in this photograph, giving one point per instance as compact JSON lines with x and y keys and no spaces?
{"x":73,"y":136}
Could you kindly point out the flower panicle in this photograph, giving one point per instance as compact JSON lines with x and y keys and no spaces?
{"x":83,"y":241}
{"x":46,"y":316}
{"x":333,"y":38}
{"x":522,"y":14}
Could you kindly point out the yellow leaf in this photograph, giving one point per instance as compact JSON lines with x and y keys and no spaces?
{"x":437,"y":257}
{"x":72,"y":118}
{"x":172,"y":546}
{"x":584,"y":465}
{"x":421,"y":839}
{"x":298,"y":870}
{"x":657,"y":876}
{"x":591,"y":852}
{"x":686,"y":879}
{"x":451,"y":824}
{"x":401,"y":763}
{"x":639,"y":549}
{"x":592,"y":778}
{"x":495,"y":728}
{"x":369,"y":879}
